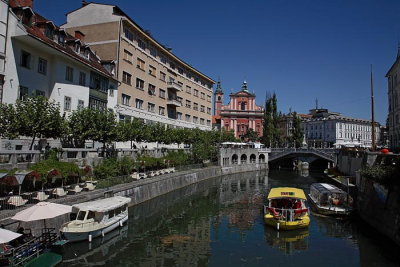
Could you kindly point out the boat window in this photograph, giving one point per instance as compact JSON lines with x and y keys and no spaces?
{"x":117,"y":211}
{"x":111,"y":214}
{"x":72,"y":216}
{"x":91,"y":215}
{"x":81,"y":215}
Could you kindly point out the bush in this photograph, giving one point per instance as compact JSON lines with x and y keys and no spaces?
{"x":177,"y":158}
{"x":384,"y":175}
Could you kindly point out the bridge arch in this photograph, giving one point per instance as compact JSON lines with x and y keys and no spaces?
{"x":261,"y":158}
{"x":234,"y":159}
{"x":253,"y":158}
{"x":243,"y":159}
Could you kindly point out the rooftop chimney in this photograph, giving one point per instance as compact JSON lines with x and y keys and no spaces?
{"x":79,"y":35}
{"x":21,"y":3}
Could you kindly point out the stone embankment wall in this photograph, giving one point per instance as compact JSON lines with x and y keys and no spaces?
{"x":140,"y":191}
{"x":379,"y":207}
{"x":376,"y":205}
{"x":348,"y":162}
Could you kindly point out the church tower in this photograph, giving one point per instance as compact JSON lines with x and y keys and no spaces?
{"x":218,"y":99}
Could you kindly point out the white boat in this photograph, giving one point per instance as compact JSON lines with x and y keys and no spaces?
{"x":96,"y":218}
{"x":328,"y":199}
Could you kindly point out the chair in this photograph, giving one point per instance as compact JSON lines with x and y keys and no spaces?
{"x":16,"y":201}
{"x":41,"y":196}
{"x":274,"y":213}
{"x":75,"y":189}
{"x":59,"y":192}
{"x":89,"y":186}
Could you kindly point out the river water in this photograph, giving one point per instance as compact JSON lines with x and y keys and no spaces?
{"x":219,"y":223}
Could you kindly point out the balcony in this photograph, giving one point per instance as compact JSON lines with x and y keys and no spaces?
{"x":174,"y":102}
{"x":174,"y":86}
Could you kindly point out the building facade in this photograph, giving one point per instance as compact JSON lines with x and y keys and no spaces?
{"x":241,"y":114}
{"x":327,"y":129}
{"x":44,"y":60}
{"x":286,"y":125}
{"x":4,"y":13}
{"x":156,"y":86}
{"x":393,"y":76}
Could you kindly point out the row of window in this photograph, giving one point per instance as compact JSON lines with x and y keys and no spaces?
{"x":97,"y":81}
{"x":161,"y":110}
{"x":127,"y":79}
{"x":130,"y":35}
{"x":162,"y":93}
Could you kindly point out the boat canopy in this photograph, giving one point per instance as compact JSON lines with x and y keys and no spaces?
{"x":322,"y":188}
{"x":102,"y":205}
{"x":286,"y":192}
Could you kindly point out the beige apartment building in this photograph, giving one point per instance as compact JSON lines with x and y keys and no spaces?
{"x":155,"y":85}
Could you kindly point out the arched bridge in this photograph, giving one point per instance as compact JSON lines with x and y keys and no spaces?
{"x":280,"y":153}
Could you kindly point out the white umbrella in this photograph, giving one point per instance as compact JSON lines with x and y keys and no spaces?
{"x":42,"y":211}
{"x":7,"y":236}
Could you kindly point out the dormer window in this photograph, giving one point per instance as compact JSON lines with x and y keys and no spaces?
{"x":77,"y":48}
{"x":87,"y":54}
{"x":48,"y":32}
{"x":61,"y":39}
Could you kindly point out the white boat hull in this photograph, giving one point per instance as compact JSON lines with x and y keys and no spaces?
{"x":74,"y":236}
{"x":329,"y":210}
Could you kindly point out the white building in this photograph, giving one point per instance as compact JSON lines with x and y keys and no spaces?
{"x":330,"y":129}
{"x":42,"y":59}
{"x":3,"y":38}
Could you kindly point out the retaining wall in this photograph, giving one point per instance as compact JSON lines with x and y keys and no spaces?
{"x":140,"y":191}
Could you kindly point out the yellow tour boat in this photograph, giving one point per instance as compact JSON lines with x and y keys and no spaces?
{"x":286,"y":209}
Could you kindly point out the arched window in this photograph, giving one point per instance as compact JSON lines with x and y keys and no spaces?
{"x":243,"y":106}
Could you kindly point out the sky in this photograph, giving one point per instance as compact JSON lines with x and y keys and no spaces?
{"x":301,"y":50}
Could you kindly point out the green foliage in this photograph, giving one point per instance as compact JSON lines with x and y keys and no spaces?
{"x":271,"y":135}
{"x":298,"y":134}
{"x":64,"y":168}
{"x":38,"y":117}
{"x":92,"y":124}
{"x":384,"y":175}
{"x":131,"y":130}
{"x":251,"y":135}
{"x":9,"y":127}
{"x":113,"y":167}
{"x":177,"y":158}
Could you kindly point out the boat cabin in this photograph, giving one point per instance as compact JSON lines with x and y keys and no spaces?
{"x":286,"y":203}
{"x":100,"y":211}
{"x":329,"y":195}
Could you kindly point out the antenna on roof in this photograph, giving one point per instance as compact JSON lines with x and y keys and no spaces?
{"x":316,"y":103}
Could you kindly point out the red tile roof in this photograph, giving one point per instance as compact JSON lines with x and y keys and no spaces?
{"x":37,"y":33}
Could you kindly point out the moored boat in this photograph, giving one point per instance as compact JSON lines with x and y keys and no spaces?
{"x":286,"y":209}
{"x":96,"y":218}
{"x":328,"y":199}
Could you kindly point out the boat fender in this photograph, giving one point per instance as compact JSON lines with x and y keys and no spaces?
{"x":277,"y":226}
{"x":120,"y":223}
{"x":90,"y":238}
{"x":102,"y":233}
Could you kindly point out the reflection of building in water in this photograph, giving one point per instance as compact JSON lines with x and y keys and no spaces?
{"x":191,"y":247}
{"x":288,"y":242}
{"x":241,"y":198}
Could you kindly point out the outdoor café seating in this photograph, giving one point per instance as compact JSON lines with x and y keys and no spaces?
{"x":40,"y":196}
{"x":58,"y":192}
{"x":16,"y":201}
{"x":74,"y":189}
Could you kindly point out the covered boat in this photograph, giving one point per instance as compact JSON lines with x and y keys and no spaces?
{"x":96,"y":218}
{"x":286,"y":209}
{"x":328,"y":199}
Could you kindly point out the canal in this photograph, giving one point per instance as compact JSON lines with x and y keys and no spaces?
{"x":219,"y":223}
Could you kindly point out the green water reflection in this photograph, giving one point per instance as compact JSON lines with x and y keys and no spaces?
{"x":219,"y":223}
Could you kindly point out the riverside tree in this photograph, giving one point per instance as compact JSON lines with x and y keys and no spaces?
{"x":38,"y":117}
{"x":131,"y":130}
{"x":8,"y":121}
{"x":297,"y":134}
